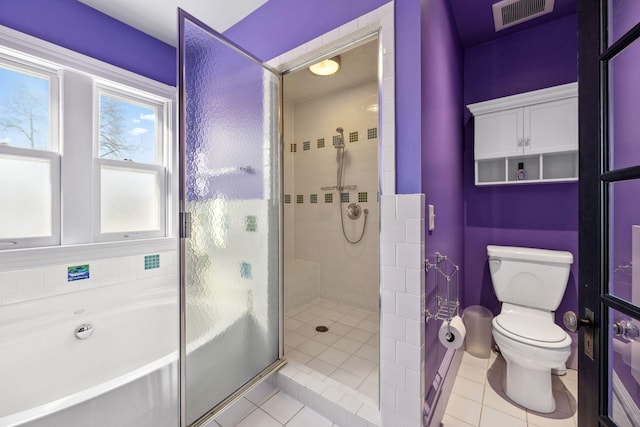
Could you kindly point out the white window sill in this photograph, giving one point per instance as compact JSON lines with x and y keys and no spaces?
{"x":15,"y":259}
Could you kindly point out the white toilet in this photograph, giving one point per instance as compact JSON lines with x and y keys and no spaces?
{"x":530,"y":284}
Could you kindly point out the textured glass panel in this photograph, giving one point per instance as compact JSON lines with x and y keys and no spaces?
{"x":129,"y":200}
{"x":624,"y":369}
{"x":623,"y":16}
{"x":624,"y":92}
{"x":232,"y":277}
{"x":127,"y":130}
{"x":25,"y":195}
{"x":24,"y":110}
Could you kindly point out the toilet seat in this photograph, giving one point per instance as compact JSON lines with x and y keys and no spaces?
{"x":535,"y":332}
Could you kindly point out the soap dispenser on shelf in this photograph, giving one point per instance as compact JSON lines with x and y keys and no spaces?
{"x":521,"y":174}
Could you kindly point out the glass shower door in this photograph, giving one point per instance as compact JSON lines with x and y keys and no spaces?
{"x":230,"y":219}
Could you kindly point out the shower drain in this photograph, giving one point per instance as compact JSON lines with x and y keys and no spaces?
{"x":322,"y":328}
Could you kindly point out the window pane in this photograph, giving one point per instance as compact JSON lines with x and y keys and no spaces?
{"x":623,"y":16}
{"x":624,"y":240}
{"x":127,"y":131}
{"x":130,"y":200}
{"x":624,"y":369}
{"x":24,"y":110}
{"x":624,"y":92}
{"x":25,"y":195}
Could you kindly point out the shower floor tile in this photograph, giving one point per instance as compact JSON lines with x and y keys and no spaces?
{"x":347,"y":353}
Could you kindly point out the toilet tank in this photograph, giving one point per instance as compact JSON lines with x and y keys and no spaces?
{"x":530,"y":277}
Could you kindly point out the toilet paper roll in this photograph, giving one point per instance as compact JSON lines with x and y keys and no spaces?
{"x":452,"y":335}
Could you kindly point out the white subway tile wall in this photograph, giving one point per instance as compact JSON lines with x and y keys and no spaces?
{"x":33,"y":283}
{"x":402,"y":341}
{"x":314,"y":229}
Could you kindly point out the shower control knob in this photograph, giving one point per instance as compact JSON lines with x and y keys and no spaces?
{"x":354,"y":211}
{"x":572,"y":322}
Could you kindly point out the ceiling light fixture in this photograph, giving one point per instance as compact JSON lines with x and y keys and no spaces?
{"x":327,"y":67}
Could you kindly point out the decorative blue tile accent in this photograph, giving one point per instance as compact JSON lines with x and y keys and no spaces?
{"x":320,"y":143}
{"x":328,"y":197}
{"x":151,"y":261}
{"x":372,"y":133}
{"x":300,"y":198}
{"x":251,"y":223}
{"x":77,"y":272}
{"x":353,"y":136}
{"x":306,"y":145}
{"x":287,"y":198}
{"x":362,"y":197}
{"x":313,"y":198}
{"x":245,"y":270}
{"x":344,"y":197}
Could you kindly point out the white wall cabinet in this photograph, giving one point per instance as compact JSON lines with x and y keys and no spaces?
{"x":538,"y":129}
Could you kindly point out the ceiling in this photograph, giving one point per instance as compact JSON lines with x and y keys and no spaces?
{"x":358,"y":66}
{"x":159,"y":18}
{"x":474,"y":19}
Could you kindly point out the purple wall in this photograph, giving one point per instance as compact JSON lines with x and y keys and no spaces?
{"x":543,"y":215}
{"x":442,"y":113}
{"x":78,"y":27}
{"x":280,"y":25}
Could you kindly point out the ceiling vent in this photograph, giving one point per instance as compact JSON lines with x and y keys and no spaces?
{"x":508,"y":13}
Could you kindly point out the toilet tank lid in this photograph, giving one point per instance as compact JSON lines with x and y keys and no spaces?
{"x":530,"y":254}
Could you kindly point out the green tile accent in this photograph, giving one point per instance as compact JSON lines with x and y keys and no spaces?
{"x":251,"y":223}
{"x":313,"y":198}
{"x":151,"y":262}
{"x":336,"y":139}
{"x":320,"y":142}
{"x":328,"y":197}
{"x":372,"y":133}
{"x":362,"y":197}
{"x":353,"y":136}
{"x":245,"y":270}
{"x":300,"y":198}
{"x":294,"y":148}
{"x":306,"y":145}
{"x":287,"y":198}
{"x":344,"y":197}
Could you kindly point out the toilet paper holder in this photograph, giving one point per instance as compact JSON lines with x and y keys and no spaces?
{"x":445,"y":275}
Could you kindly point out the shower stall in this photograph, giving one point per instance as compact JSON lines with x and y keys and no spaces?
{"x":331,"y":220}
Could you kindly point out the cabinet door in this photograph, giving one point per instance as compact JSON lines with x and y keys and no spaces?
{"x":498,"y":134}
{"x":551,"y":126}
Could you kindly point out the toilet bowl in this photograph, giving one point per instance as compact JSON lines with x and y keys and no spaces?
{"x":530,"y":284}
{"x":532,"y":345}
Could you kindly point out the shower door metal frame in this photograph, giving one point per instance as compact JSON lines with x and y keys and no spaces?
{"x":184,"y":231}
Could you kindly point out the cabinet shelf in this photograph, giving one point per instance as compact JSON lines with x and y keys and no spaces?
{"x":538,"y":129}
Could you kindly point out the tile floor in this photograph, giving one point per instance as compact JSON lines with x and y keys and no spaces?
{"x":267,"y":406}
{"x":347,"y":353}
{"x":477,"y":398}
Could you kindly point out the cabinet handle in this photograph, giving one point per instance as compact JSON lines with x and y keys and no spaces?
{"x":527,"y":142}
{"x":520,"y":143}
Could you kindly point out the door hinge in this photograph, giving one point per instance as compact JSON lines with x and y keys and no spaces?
{"x":185,"y":225}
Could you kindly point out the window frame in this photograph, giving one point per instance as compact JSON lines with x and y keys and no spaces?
{"x":161,"y":107}
{"x":75,"y":211}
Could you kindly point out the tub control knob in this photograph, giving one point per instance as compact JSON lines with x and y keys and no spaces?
{"x":572,"y":323}
{"x":84,"y":331}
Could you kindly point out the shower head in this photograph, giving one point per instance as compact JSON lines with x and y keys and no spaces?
{"x":339,"y":142}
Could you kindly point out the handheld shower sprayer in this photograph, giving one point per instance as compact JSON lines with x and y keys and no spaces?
{"x":339,"y":142}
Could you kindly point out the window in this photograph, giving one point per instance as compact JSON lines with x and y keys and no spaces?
{"x":131,"y":177}
{"x":85,"y":151}
{"x":29,"y":157}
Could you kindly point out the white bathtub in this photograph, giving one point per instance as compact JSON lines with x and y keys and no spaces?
{"x":45,"y":371}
